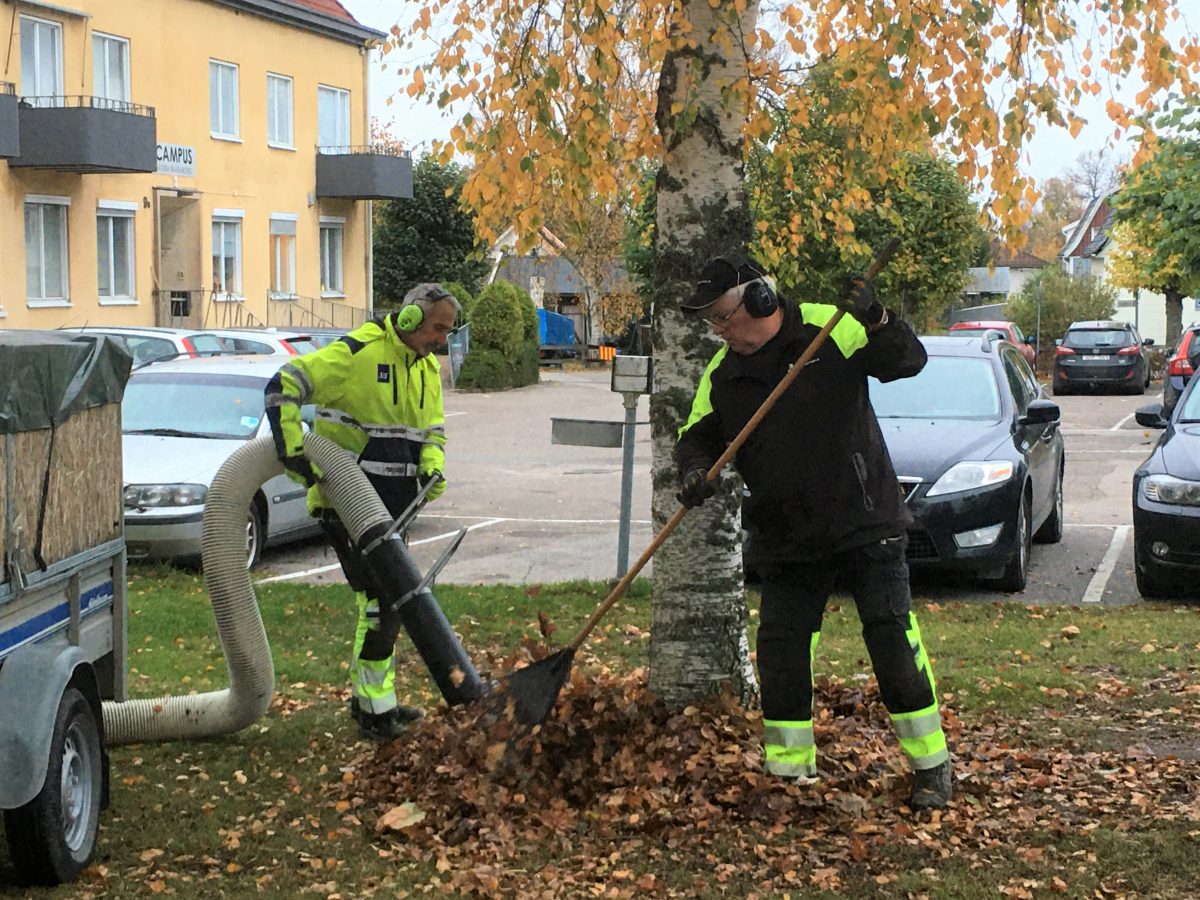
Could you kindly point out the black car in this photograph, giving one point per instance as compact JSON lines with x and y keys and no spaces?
{"x":1166,"y":501}
{"x":979,"y":455}
{"x":1102,"y":354}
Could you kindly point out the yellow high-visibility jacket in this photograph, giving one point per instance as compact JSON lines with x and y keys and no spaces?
{"x":375,"y":397}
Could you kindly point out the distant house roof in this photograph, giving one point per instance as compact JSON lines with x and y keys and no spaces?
{"x":561,"y":277}
{"x":1102,"y":236}
{"x":1006,"y":257}
{"x":1088,"y":229}
{"x":327,"y":17}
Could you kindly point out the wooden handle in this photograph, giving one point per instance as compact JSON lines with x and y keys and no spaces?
{"x":615,"y":594}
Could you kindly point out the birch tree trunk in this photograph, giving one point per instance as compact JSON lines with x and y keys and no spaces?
{"x":698,"y":635}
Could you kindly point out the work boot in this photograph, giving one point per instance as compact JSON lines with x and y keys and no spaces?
{"x":406,"y":714}
{"x":932,"y":788}
{"x":386,"y":726}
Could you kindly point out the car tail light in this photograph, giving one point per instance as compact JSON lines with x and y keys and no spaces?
{"x":1063,"y":351}
{"x":1180,"y":366}
{"x":1129,"y":351}
{"x":189,"y":347}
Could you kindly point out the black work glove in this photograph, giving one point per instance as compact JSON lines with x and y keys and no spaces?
{"x":695,"y":488}
{"x":858,"y":299}
{"x":301,"y":469}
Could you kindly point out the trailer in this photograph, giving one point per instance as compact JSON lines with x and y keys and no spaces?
{"x":62,"y":593}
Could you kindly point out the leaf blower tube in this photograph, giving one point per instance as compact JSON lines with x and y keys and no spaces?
{"x":235,"y":607}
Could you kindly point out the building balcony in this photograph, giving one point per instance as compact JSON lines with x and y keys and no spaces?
{"x":364,"y":173}
{"x":10,"y":144}
{"x":86,"y":134}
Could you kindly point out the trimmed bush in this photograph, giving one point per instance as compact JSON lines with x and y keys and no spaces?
{"x":485,"y":369}
{"x":496,"y":320}
{"x":463,"y":296}
{"x":503,"y":354}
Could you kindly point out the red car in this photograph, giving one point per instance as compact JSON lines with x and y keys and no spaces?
{"x":1011,"y":333}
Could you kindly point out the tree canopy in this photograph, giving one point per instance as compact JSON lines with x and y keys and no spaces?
{"x":428,"y":238}
{"x":1155,"y":215}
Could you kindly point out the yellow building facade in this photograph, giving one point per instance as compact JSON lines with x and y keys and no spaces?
{"x":187,"y":162}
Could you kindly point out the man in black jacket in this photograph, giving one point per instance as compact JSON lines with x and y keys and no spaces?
{"x":823,"y":501}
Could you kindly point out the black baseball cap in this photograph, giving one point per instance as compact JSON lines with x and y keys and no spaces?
{"x":719,"y":275}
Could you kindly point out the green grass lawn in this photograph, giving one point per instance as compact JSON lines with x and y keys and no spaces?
{"x":273,"y":810}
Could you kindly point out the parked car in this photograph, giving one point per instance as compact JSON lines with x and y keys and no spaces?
{"x":1166,"y":501}
{"x":180,"y":421}
{"x":979,"y":455}
{"x":1181,"y":366}
{"x":1102,"y":354}
{"x":323,"y":337}
{"x":1011,"y":333}
{"x":269,"y":341}
{"x":150,"y":344}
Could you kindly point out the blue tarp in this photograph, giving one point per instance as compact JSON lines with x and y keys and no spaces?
{"x":555,"y":328}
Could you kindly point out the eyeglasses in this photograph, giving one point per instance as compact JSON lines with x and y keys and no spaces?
{"x":722,"y":318}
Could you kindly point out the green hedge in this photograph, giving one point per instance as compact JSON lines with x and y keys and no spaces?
{"x":504,"y":340}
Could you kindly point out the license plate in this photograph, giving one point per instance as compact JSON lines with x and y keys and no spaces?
{"x":1095,"y":357}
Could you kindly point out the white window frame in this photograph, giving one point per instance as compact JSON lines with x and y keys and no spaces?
{"x":343,"y":112}
{"x":57,"y":87}
{"x":105,"y":41}
{"x":286,"y":225}
{"x":333,"y":225}
{"x":225,"y":218}
{"x":125,"y":210}
{"x":218,"y":66}
{"x":285,"y":141}
{"x":43,"y":200}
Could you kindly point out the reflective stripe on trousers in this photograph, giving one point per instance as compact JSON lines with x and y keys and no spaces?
{"x":920,"y":731}
{"x":789,"y":749}
{"x":372,"y":680}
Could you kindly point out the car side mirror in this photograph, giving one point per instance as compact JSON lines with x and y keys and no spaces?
{"x":1041,"y":412}
{"x":1030,"y":339}
{"x":1151,"y":416}
{"x":1148,"y":342}
{"x":1058,"y":342}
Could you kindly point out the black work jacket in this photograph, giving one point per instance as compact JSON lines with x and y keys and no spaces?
{"x":819,"y":477}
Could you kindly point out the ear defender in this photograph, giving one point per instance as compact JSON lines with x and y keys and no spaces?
{"x":760,"y":300}
{"x":409,"y":318}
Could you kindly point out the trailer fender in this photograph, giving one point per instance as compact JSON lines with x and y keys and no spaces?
{"x":32,"y":681}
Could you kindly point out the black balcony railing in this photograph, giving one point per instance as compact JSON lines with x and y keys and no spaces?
{"x":84,"y":101}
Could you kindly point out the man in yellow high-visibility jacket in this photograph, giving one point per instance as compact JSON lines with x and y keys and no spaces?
{"x":378,"y":393}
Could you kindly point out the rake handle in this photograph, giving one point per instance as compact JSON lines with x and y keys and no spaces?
{"x":615,"y":594}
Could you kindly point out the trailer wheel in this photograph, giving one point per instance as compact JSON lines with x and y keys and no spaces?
{"x":51,"y":838}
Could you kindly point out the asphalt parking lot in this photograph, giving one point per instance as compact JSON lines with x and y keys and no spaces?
{"x":542,"y":512}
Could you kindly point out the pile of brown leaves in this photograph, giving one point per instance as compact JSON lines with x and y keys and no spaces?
{"x":587,"y":802}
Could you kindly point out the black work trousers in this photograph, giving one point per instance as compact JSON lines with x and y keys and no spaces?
{"x":793,"y":605}
{"x":383,"y":624}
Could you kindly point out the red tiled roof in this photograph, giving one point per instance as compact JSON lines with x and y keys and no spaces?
{"x":327,"y":7}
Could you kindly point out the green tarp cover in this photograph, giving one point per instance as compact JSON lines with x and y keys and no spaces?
{"x":46,"y":377}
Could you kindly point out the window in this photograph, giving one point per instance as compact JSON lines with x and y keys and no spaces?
{"x":283,"y":255}
{"x":46,"y":250}
{"x":41,"y":60}
{"x":331,"y":256}
{"x":279,"y":111}
{"x":333,"y":117}
{"x":110,"y":68}
{"x":227,"y":253}
{"x":114,"y":250}
{"x":222,"y":99}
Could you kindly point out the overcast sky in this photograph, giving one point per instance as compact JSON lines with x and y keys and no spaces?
{"x":1051,"y":152}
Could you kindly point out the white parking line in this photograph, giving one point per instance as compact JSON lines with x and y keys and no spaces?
{"x":289,"y":576}
{"x":1117,"y":427}
{"x":1095,"y":588}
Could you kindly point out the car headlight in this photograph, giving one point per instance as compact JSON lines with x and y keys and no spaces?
{"x":143,"y":496}
{"x":1168,"y":489}
{"x":966,"y":476}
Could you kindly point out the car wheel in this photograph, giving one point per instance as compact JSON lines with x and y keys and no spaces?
{"x":51,"y":837}
{"x":1051,"y":531}
{"x":1016,"y":573}
{"x":256,"y":534}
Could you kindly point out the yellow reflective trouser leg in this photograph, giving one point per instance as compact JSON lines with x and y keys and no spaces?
{"x":789,"y":749}
{"x":373,"y":680}
{"x":920,"y":731}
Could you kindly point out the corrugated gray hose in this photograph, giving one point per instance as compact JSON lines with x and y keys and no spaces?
{"x":239,"y":625}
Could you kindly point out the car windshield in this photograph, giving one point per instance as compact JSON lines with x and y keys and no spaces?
{"x":949,"y":387}
{"x":1098,"y":337}
{"x":193,"y":404}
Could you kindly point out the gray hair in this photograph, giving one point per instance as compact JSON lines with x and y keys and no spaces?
{"x":427,"y":295}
